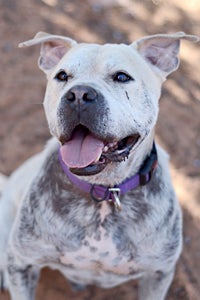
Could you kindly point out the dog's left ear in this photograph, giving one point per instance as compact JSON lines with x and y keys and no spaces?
{"x":53,"y":48}
{"x":161,"y":50}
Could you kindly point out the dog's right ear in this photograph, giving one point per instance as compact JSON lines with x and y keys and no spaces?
{"x":53,"y":48}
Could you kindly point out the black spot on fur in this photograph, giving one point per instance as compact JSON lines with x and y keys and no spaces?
{"x":69,"y":266}
{"x":160,"y":275}
{"x":27,"y":276}
{"x":170,"y":248}
{"x":86,"y":243}
{"x":93,"y":249}
{"x":2,"y":282}
{"x":97,"y":264}
{"x":127,"y":95}
{"x":117,"y":229}
{"x":80,"y":258}
{"x":122,"y":242}
{"x":103,"y":254}
{"x":116,"y":260}
{"x":140,"y":210}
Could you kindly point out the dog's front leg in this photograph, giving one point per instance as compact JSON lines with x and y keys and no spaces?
{"x":22,"y":280}
{"x":155,"y":286}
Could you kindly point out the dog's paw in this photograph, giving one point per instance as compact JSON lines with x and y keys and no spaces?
{"x":3,"y":282}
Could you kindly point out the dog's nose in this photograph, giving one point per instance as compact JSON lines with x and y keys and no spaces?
{"x":81,"y":93}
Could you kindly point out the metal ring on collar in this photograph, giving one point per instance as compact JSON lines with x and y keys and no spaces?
{"x":98,"y":199}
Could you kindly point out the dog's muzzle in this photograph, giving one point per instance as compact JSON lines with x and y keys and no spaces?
{"x":86,"y":149}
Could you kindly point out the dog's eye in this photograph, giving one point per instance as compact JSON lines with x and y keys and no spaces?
{"x":62,"y":76}
{"x":122,"y":77}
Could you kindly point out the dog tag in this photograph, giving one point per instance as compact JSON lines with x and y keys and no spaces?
{"x":115,"y":192}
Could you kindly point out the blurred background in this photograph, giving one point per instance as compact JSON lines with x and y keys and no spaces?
{"x":23,"y":128}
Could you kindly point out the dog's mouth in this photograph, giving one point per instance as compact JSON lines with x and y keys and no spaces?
{"x":84,"y":154}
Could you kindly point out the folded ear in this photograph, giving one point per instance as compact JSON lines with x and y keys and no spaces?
{"x":161,"y":50}
{"x":53,"y":48}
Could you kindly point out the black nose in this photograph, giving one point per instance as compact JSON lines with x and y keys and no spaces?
{"x":81,"y":93}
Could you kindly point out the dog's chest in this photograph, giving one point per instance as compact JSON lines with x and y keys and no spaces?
{"x":108,"y":248}
{"x":96,"y":255}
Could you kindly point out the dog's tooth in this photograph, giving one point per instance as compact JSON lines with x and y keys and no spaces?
{"x":112,"y":145}
{"x":105,"y":149}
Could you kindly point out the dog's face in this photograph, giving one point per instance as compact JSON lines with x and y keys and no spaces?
{"x":105,"y":96}
{"x":102,"y":100}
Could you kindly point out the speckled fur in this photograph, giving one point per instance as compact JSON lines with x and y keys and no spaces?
{"x":46,"y":221}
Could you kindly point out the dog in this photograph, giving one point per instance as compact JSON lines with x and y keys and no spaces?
{"x":97,"y":203}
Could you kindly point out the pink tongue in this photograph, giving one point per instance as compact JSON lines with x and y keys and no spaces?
{"x":82,"y":150}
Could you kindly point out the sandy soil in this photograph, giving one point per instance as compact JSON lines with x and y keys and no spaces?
{"x":23,"y":129}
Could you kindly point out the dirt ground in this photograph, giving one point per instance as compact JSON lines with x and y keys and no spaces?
{"x":23,"y":128}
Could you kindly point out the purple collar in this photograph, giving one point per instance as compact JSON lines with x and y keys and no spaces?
{"x":100,"y":193}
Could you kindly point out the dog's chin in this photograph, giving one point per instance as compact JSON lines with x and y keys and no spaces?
{"x":114,"y":153}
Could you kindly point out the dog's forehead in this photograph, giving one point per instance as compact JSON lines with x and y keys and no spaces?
{"x":107,"y":55}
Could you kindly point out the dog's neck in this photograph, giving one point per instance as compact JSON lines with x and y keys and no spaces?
{"x":111,"y":193}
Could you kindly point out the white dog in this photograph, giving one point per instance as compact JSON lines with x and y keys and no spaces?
{"x":97,"y":203}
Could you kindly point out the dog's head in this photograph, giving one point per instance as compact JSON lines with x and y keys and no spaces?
{"x":102,"y":100}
